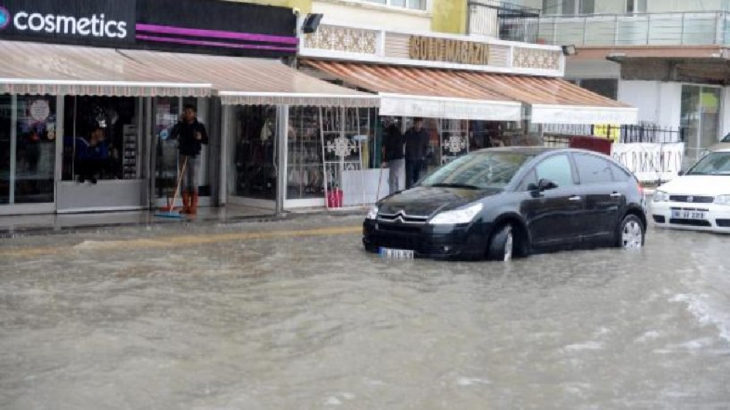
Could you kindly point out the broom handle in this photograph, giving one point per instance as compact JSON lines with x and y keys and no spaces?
{"x":179,"y":180}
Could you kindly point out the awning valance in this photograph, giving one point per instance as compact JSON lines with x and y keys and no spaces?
{"x":72,"y":70}
{"x":423,"y":92}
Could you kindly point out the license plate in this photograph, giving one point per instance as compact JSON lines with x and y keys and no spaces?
{"x":686,"y":214}
{"x":396,"y":253}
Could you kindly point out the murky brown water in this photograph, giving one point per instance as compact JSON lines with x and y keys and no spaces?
{"x":314,"y":322}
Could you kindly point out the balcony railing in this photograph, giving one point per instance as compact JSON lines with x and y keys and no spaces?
{"x":501,"y":19}
{"x":688,"y":28}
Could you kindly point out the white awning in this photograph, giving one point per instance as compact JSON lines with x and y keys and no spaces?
{"x":35,"y":68}
{"x":444,"y":107}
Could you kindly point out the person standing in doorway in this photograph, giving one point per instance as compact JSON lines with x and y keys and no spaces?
{"x":92,"y":155}
{"x":190,"y":135}
{"x":394,"y":158}
{"x":416,"y":149}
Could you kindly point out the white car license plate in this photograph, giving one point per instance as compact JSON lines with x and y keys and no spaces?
{"x":396,"y":253}
{"x":686,"y":214}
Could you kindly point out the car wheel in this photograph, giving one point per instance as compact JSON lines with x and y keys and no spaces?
{"x":631,"y":233}
{"x":502,"y":244}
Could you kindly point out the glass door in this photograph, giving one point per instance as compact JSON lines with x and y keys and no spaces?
{"x":700,"y":119}
{"x":27,"y":153}
{"x":252,"y":156}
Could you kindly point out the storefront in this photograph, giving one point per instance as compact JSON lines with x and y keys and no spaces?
{"x":67,"y":68}
{"x":473,"y":92}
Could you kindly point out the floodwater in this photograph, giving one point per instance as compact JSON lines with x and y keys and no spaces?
{"x":216,"y":317}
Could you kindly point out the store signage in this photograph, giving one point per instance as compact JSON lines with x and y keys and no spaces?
{"x":95,"y":22}
{"x":205,"y":26}
{"x":448,"y":50}
{"x":214,"y":26}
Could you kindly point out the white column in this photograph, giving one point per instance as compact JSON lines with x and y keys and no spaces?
{"x":282,"y":138}
{"x":13,"y":145}
{"x":224,"y":157}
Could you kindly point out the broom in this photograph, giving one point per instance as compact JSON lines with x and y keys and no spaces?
{"x":169,"y":210}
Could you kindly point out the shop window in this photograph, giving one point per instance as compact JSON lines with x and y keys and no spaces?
{"x":35,"y":152}
{"x":254,"y":150}
{"x":101,"y":138}
{"x":568,"y":7}
{"x":305,"y":176}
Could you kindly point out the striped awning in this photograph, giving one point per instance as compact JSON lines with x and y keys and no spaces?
{"x":410,"y":91}
{"x":554,"y":100}
{"x":35,"y":68}
{"x":424,"y":92}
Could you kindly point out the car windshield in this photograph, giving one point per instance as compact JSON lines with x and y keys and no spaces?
{"x":716,"y":163}
{"x":726,"y":139}
{"x":482,"y":170}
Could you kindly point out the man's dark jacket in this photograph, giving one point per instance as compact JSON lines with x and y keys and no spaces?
{"x":184,"y":133}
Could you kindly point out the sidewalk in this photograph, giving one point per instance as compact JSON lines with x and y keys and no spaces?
{"x":46,"y":223}
{"x":21,"y":224}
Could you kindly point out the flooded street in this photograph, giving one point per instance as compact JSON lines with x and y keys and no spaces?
{"x":294,"y":314}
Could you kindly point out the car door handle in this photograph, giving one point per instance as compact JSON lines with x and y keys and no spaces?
{"x":575,"y":198}
{"x":616,"y":195}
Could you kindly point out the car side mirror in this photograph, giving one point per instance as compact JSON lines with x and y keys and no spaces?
{"x":681,"y":172}
{"x":546,"y":184}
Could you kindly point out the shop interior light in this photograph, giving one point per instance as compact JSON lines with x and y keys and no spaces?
{"x":311,"y":22}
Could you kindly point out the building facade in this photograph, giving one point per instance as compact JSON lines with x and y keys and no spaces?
{"x":668,"y":58}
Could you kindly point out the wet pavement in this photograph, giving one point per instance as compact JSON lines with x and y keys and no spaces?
{"x":294,"y":314}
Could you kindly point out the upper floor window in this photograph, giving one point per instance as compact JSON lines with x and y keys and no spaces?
{"x":406,"y":4}
{"x":636,"y":6}
{"x":568,"y":7}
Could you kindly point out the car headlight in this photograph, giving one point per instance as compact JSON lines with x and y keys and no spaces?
{"x":660,"y":196}
{"x":722,"y":200}
{"x":372,"y":213}
{"x":457,"y":216}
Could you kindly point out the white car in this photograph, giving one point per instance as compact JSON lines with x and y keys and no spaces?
{"x":699,"y":199}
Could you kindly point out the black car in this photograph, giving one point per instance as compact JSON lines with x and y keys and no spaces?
{"x":500,"y":202}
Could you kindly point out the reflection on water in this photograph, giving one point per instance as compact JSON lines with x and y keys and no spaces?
{"x":314,"y":322}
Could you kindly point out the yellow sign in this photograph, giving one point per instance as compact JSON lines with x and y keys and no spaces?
{"x":610,"y":131}
{"x":448,"y":50}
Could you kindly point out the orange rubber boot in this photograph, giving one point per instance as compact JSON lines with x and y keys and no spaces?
{"x":186,"y":200}
{"x":194,"y":204}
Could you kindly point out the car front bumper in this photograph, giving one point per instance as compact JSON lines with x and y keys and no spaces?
{"x":467,"y":241}
{"x":717,"y":216}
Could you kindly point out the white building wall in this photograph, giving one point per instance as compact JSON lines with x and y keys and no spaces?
{"x":356,"y":13}
{"x":658,"y":102}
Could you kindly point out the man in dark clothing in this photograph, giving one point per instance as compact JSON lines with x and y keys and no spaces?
{"x":416,"y":150}
{"x":92,"y":155}
{"x":393,"y":147}
{"x":190,"y":135}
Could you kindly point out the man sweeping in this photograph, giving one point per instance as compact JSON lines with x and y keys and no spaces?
{"x":190,"y":135}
